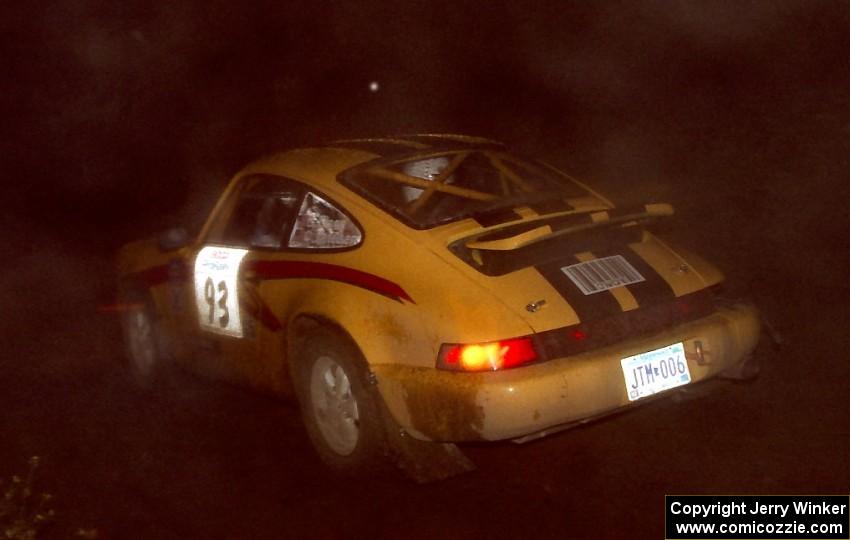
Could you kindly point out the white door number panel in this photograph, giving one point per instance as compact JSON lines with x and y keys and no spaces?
{"x":216,"y":291}
{"x":655,"y":371}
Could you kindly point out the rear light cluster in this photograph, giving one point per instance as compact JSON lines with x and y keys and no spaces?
{"x":576,"y":339}
{"x":491,"y":356}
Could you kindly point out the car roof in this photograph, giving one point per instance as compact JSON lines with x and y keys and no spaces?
{"x":391,"y":147}
{"x":321,"y":164}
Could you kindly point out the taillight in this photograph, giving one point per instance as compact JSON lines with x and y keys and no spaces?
{"x":491,"y":356}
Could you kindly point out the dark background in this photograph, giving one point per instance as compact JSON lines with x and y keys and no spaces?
{"x":121,"y":119}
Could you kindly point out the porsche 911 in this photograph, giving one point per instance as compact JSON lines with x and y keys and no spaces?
{"x":433,"y":288}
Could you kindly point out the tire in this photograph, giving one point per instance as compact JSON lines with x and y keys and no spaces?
{"x":340,"y":408}
{"x":140,"y":330}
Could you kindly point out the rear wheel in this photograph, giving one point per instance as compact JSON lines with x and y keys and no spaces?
{"x":340,"y":408}
{"x":334,"y":406}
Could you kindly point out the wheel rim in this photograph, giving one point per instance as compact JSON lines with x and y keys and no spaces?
{"x":334,"y":405}
{"x":141,"y":341}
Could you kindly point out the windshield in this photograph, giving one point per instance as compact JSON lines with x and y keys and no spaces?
{"x":429,"y":189}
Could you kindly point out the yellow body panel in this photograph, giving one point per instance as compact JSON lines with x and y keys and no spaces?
{"x":448,"y":406}
{"x":443,"y":300}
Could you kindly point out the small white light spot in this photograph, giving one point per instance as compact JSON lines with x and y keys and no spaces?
{"x":374,"y":86}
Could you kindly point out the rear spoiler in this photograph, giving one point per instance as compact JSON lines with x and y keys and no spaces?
{"x":575,"y":223}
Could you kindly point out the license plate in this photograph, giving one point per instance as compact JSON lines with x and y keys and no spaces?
{"x":655,"y":371}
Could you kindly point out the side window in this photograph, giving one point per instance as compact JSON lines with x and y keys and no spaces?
{"x":320,"y":225}
{"x":263,"y":213}
{"x":271,"y":212}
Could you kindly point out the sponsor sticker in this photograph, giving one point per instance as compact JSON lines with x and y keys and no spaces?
{"x":599,"y":275}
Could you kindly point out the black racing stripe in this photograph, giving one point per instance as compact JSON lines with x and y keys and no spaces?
{"x":655,"y":289}
{"x":496,"y":217}
{"x":589,"y":307}
{"x":550,"y":207}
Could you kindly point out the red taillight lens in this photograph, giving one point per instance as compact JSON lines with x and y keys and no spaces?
{"x":487,"y":356}
{"x":519,"y":351}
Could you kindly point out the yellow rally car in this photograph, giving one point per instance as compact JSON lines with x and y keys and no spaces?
{"x":430,"y":288}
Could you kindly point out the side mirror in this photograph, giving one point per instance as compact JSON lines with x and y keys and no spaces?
{"x":174,"y":238}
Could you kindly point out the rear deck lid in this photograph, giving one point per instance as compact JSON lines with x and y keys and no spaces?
{"x":528,"y":233}
{"x":601,"y":268}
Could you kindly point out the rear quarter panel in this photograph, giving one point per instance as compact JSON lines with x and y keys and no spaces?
{"x":442,"y":305}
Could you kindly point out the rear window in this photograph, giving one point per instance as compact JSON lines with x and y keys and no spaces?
{"x":429,"y":189}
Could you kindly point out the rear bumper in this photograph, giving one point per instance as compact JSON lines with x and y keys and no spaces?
{"x":431,"y":404}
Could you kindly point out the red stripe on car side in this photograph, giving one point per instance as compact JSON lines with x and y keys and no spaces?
{"x":333,"y":272}
{"x":157,"y":275}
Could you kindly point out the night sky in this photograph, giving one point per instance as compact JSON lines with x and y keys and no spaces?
{"x":122,"y":112}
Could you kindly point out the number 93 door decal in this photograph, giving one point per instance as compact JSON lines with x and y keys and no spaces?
{"x":216,"y":292}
